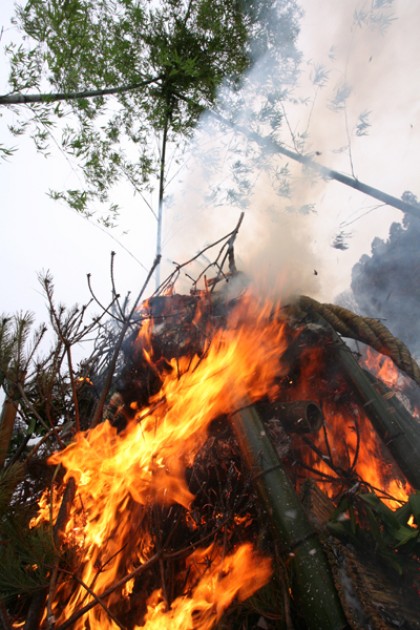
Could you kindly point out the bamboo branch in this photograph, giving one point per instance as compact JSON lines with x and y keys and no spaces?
{"x":17,"y":98}
{"x":162,"y":188}
{"x":276,"y":147}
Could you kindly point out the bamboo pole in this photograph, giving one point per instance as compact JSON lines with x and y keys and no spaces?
{"x":18,"y":98}
{"x":398,"y":431}
{"x":276,"y":147}
{"x":400,"y":436}
{"x":312,"y":585}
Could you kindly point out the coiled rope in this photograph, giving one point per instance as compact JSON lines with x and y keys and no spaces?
{"x":367,"y":330}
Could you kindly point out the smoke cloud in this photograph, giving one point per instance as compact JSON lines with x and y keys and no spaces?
{"x":386,"y":284}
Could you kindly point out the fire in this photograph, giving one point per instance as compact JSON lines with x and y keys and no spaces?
{"x":383,"y":367}
{"x":348,"y":449}
{"x":125,"y":479}
{"x":117,"y":475}
{"x":238,"y":575}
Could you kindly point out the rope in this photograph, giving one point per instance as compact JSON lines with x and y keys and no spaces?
{"x":367,"y":330}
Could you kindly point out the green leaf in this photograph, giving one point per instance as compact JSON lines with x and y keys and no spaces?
{"x":386,"y":514}
{"x":185,"y":48}
{"x":31,"y":427}
{"x":403,"y":513}
{"x":404,"y":535}
{"x":414,"y":501}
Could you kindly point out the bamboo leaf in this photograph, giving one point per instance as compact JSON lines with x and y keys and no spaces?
{"x":414,"y":502}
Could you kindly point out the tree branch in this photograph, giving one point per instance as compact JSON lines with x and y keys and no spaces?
{"x":275,"y":147}
{"x":108,"y":380}
{"x":17,"y":98}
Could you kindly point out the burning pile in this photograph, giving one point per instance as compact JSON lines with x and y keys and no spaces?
{"x":181,"y":508}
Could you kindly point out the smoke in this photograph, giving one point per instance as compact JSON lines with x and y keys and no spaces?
{"x":230,"y":173}
{"x":386,"y":285}
{"x":334,"y":103}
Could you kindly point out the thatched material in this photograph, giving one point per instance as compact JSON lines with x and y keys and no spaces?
{"x":367,"y":330}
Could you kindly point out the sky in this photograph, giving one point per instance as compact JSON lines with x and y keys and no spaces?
{"x":379,"y":71}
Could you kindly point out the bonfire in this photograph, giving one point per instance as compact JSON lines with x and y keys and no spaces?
{"x":248,"y":470}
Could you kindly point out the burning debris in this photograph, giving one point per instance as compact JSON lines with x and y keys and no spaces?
{"x":247,"y":473}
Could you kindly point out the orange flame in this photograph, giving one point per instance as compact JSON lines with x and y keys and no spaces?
{"x":238,"y":575}
{"x":383,"y":367}
{"x":117,"y":474}
{"x":354,"y":449}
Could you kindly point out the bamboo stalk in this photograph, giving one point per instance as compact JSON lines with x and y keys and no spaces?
{"x":329,"y":173}
{"x":398,"y":431}
{"x":312,"y":584}
{"x":18,"y":98}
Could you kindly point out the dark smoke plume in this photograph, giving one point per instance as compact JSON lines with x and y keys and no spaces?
{"x":386,"y":284}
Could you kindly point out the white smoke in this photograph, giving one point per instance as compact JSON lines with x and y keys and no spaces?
{"x":343,"y":91}
{"x":385,"y":283}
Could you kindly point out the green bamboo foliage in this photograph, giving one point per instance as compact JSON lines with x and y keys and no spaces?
{"x":312,"y":584}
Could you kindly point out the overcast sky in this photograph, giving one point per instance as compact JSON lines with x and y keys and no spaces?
{"x":381,"y":70}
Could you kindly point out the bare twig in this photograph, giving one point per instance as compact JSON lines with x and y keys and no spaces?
{"x":99,"y":601}
{"x":115,"y":295}
{"x":97,"y":416}
{"x":181,"y":553}
{"x":327,"y":443}
{"x":105,"y":309}
{"x":82,"y":611}
{"x":326,"y":459}
{"x":227,"y":240}
{"x":67,"y":346}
